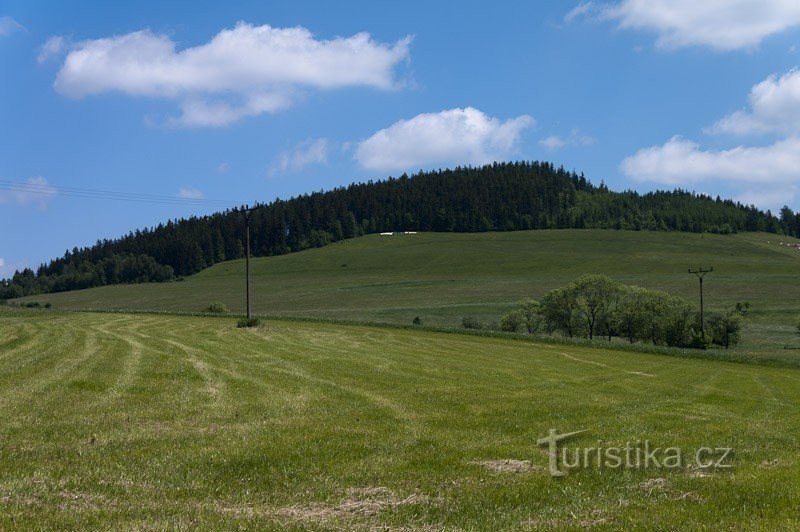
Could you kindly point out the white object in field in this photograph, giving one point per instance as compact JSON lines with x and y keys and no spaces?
{"x":387,"y":234}
{"x":409,"y":232}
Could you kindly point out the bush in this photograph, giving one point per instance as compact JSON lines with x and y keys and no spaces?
{"x":33,"y":304}
{"x":798,"y":326}
{"x":699,"y":341}
{"x":245,"y":323}
{"x":725,"y":329}
{"x":48,"y":305}
{"x":470,"y":323}
{"x":512,"y":322}
{"x":416,"y":321}
{"x":215,"y":308}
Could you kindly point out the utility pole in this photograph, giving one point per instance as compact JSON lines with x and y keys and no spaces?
{"x":700,"y":273}
{"x":247,"y":213}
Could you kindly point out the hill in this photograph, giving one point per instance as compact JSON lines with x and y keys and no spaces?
{"x":498,"y":197}
{"x":442,"y":277}
{"x":120,"y":421}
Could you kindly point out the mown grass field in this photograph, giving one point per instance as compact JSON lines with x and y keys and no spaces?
{"x":141,"y":421}
{"x":442,"y":277}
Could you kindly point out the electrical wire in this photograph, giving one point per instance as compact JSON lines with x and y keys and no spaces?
{"x":87,"y":193}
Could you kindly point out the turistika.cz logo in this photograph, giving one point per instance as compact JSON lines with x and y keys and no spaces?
{"x":633,"y":455}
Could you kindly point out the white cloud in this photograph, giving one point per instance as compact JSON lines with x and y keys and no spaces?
{"x":768,"y":175}
{"x":584,"y":9}
{"x":768,"y":198}
{"x":52,"y":47}
{"x":719,"y":24}
{"x":35,"y":191}
{"x":8,"y":26}
{"x":7,"y":269}
{"x":308,"y":152}
{"x":222,"y":168}
{"x":190,"y":193}
{"x":455,"y":136}
{"x":774,"y":107}
{"x":575,"y":138}
{"x":240,"y":72}
{"x":771,"y":174}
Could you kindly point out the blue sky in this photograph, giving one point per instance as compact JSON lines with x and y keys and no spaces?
{"x":245,"y":101}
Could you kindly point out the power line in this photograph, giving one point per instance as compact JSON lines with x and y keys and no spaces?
{"x":87,"y":193}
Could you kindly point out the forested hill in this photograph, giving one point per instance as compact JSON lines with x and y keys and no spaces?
{"x":498,"y":197}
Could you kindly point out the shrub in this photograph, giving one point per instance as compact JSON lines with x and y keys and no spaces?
{"x":248,"y":322}
{"x":33,"y":304}
{"x":216,"y":308}
{"x":512,"y":322}
{"x":469,"y":322}
{"x":48,"y":305}
{"x":492,"y":325}
{"x":725,"y":329}
{"x":798,"y":326}
{"x":416,"y":321}
{"x":699,"y":341}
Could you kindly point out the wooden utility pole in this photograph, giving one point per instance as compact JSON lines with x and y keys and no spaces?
{"x":247,"y":213}
{"x":700,"y":273}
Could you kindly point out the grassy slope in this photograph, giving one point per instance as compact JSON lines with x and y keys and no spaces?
{"x":120,"y":421}
{"x":444,"y":276}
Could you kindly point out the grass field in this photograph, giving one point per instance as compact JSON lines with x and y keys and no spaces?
{"x":135,"y":421}
{"x":442,"y":277}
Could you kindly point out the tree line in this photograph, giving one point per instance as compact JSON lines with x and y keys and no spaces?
{"x":496,"y":197}
{"x":595,"y":306}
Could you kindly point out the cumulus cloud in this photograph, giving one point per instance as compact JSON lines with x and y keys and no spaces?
{"x":455,"y":136}
{"x":190,"y":193}
{"x":35,"y":191}
{"x":8,"y":26}
{"x":770,"y":174}
{"x":575,"y":138}
{"x":308,"y":152}
{"x":774,"y":106}
{"x":719,"y":24}
{"x":240,"y":72}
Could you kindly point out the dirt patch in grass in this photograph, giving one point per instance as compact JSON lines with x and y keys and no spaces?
{"x":359,"y":502}
{"x":662,"y":486}
{"x":509,"y":466}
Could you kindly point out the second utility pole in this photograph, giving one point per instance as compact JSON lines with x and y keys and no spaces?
{"x":700,"y":273}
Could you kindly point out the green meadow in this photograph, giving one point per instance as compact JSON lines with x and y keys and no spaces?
{"x":442,"y":277}
{"x":151,"y":422}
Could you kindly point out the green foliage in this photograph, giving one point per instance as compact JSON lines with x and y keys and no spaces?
{"x":699,"y":341}
{"x":215,"y":308}
{"x":798,"y":326}
{"x":524,"y":318}
{"x":594,"y":303}
{"x":512,"y":322}
{"x":245,"y":323}
{"x":416,"y":321}
{"x":469,"y":322}
{"x":725,"y":329}
{"x":33,"y":304}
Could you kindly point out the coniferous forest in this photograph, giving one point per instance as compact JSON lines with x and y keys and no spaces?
{"x":497,"y":197}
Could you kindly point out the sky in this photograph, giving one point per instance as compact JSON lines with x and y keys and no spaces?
{"x":207,"y":105}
